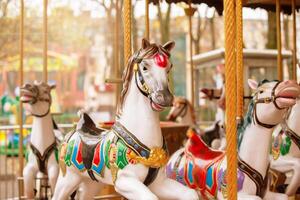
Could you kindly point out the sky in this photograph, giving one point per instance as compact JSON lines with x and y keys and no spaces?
{"x":97,"y":11}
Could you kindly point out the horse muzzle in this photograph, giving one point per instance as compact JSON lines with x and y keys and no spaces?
{"x":161,"y":99}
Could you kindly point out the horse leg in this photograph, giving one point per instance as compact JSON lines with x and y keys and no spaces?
{"x":89,"y":189}
{"x":29,"y":173}
{"x":275,"y":196}
{"x":242,"y":196}
{"x":66,"y":185}
{"x":166,"y":188}
{"x":129,"y":183}
{"x":295,"y":180}
{"x":53,"y":171}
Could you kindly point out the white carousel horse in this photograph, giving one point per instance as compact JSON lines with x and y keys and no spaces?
{"x":183,"y":112}
{"x":132,"y":155}
{"x":43,"y":153}
{"x":204,"y":169}
{"x":286,"y":149}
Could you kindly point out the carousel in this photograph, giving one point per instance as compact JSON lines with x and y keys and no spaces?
{"x":248,"y":155}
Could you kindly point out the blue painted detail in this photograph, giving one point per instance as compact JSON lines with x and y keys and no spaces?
{"x":209,"y":177}
{"x":190,"y":172}
{"x":79,"y":166}
{"x":99,"y":168}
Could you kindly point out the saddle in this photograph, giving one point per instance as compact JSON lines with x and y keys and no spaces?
{"x":202,"y":158}
{"x":90,"y":137}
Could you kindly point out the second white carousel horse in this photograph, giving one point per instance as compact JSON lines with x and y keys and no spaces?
{"x":286,"y":149}
{"x":43,"y":153}
{"x":199,"y":167}
{"x":132,"y":155}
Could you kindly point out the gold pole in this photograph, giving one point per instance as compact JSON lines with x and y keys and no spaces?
{"x":294,"y":40}
{"x":279,"y":56}
{"x":190,"y":15}
{"x":21,"y":154}
{"x":45,"y":45}
{"x":127,"y":30}
{"x":147,"y":31}
{"x":230,"y":85}
{"x":117,"y":60}
{"x":239,"y":59}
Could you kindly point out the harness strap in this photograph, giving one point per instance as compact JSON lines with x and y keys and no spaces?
{"x":294,"y":137}
{"x":260,"y":182}
{"x":43,"y":159}
{"x":130,"y":140}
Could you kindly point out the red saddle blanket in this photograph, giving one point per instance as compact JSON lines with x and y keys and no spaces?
{"x":201,"y":165}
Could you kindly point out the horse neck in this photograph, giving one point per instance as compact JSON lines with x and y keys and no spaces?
{"x":42,"y":134}
{"x":256,"y":141}
{"x":187,"y":118}
{"x":139,"y":118}
{"x":292,"y":121}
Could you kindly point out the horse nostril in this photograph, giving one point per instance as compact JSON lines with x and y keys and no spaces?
{"x":160,"y":97}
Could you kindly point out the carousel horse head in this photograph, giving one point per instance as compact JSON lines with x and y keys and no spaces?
{"x":180,"y":109}
{"x":269,"y":103}
{"x":37,"y":98}
{"x":149,"y":68}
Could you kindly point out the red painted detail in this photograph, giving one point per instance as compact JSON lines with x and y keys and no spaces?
{"x":79,"y":156}
{"x":161,"y":60}
{"x":97,"y":155}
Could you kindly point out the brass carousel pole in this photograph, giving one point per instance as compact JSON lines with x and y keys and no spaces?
{"x":117,"y":59}
{"x":127,"y":30}
{"x":239,"y":60}
{"x":230,"y":92}
{"x":45,"y":43}
{"x":278,"y":28}
{"x":21,"y":153}
{"x":147,"y":30}
{"x":294,"y":72}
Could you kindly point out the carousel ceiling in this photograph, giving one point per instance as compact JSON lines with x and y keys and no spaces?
{"x":218,"y":4}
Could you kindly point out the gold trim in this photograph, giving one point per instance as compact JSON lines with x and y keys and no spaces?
{"x":158,"y":158}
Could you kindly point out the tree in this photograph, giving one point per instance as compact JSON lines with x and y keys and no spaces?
{"x":164,"y":23}
{"x":201,"y":26}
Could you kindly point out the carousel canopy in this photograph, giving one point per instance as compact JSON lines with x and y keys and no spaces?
{"x":218,"y":4}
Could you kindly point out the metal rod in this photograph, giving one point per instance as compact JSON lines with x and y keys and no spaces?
{"x":45,"y":42}
{"x":21,"y":164}
{"x":278,"y":28}
{"x":191,"y":55}
{"x":117,"y":59}
{"x":127,"y":30}
{"x":294,"y":72}
{"x":147,"y":30}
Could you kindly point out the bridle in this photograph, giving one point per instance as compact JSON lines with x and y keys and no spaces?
{"x":139,"y":78}
{"x":36,"y":98}
{"x":266,"y":100}
{"x":182,"y":112}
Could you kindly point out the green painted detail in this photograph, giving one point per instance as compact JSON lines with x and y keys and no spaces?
{"x":56,"y":154}
{"x":27,"y":154}
{"x":106,"y":154}
{"x":68,"y":155}
{"x":285,"y":146}
{"x":121,"y":160}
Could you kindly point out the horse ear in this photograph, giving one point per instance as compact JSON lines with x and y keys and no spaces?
{"x":169,"y":46}
{"x":52,"y":87}
{"x":252,"y":84}
{"x":145,"y":43}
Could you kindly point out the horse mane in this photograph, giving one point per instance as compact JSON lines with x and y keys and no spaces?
{"x":147,"y":52}
{"x":248,"y":117}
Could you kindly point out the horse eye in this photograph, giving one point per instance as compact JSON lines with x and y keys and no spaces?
{"x":260,"y":92}
{"x":145,"y":68}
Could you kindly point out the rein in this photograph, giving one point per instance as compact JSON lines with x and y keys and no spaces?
{"x":266,"y":100}
{"x":289,"y":132}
